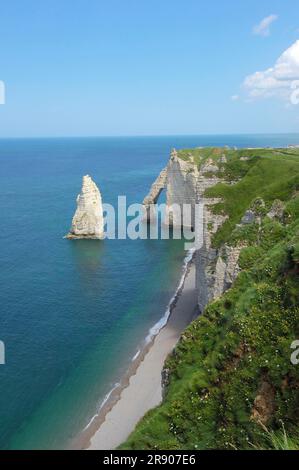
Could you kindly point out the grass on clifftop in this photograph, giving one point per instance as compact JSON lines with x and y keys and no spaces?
{"x":200,"y":155}
{"x":256,"y":173}
{"x":231,"y":370}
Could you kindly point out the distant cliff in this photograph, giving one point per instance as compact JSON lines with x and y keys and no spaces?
{"x":230,"y":381}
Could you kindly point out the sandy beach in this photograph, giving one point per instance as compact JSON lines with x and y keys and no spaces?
{"x":143,"y":390}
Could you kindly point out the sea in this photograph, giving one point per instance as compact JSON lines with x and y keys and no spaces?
{"x":75,"y":313}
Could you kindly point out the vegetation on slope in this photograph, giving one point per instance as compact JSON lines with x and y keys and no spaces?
{"x":231,"y":382}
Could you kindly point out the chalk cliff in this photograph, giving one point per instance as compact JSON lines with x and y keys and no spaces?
{"x":88,"y":219}
{"x":179,"y":180}
{"x":185,"y":182}
{"x":181,"y":188}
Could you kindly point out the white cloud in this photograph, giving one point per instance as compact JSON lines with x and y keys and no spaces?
{"x":235,"y":97}
{"x":263,"y":28}
{"x":277,"y":80}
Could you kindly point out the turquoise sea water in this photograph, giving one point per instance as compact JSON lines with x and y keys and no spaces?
{"x":74,"y":313}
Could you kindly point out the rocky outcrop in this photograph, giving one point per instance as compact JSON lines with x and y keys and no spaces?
{"x":209,"y":167}
{"x":208,"y":262}
{"x":88,"y":219}
{"x":248,"y":217}
{"x":264,"y":403}
{"x":277,"y":210}
{"x":226,"y":270}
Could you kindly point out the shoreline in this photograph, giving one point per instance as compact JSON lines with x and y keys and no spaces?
{"x":120,"y":411}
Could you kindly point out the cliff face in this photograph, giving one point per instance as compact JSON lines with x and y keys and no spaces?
{"x":181,"y":189}
{"x":88,"y":219}
{"x":185,"y":182}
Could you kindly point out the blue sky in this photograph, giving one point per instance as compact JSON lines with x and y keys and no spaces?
{"x":147,"y":67}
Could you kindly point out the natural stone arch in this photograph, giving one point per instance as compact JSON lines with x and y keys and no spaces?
{"x":156,"y":189}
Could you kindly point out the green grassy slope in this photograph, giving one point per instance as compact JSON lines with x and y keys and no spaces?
{"x":240,"y":347}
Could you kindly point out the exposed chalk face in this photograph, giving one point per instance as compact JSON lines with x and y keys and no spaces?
{"x":181,"y":188}
{"x":186,"y":182}
{"x":179,"y":179}
{"x":88,"y":221}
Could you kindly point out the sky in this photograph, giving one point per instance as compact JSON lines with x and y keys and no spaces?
{"x":148,"y":67}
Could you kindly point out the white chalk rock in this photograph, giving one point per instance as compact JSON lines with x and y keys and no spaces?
{"x":88,"y":221}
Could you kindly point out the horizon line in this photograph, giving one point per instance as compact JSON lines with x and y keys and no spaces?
{"x":115,"y":136}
